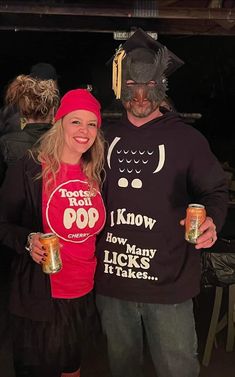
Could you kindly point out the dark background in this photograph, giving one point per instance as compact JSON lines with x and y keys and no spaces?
{"x":205,"y":84}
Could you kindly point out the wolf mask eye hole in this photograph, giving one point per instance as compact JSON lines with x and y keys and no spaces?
{"x":133,"y":83}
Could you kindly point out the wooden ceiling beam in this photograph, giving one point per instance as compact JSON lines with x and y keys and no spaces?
{"x":109,"y":18}
{"x":83,"y":10}
{"x":109,"y":25}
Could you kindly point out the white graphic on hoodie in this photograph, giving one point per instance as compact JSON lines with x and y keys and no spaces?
{"x":131,"y":163}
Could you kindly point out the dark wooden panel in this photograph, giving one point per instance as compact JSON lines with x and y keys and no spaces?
{"x":122,"y":15}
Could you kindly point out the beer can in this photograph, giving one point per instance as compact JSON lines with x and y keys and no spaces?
{"x":196,"y":215}
{"x":51,"y":244}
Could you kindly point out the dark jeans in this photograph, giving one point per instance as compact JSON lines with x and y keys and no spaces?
{"x":170,"y":333}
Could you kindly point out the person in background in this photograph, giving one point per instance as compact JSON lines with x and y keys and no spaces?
{"x":57,"y":191}
{"x":147,"y":273}
{"x":10,"y":119}
{"x":37,"y":102}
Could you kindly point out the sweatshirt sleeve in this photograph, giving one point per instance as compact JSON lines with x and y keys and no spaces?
{"x":207,"y":181}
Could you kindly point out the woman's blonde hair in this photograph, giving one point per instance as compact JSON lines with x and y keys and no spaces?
{"x":34,"y":98}
{"x":49,"y":150}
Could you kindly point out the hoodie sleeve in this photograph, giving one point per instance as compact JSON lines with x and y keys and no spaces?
{"x":207,"y":181}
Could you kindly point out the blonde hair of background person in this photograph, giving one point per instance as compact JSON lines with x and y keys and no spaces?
{"x":32,"y":104}
{"x":36,"y":99}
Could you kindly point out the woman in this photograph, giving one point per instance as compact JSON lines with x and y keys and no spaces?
{"x":57,"y":191}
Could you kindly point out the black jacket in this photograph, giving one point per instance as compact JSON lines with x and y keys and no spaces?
{"x":9,"y":119}
{"x":9,"y":122}
{"x":14,"y":144}
{"x":21,"y":214}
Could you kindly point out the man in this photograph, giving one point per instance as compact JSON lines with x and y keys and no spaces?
{"x":147,"y":273}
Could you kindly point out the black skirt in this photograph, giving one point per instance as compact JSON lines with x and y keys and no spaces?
{"x":57,"y":345}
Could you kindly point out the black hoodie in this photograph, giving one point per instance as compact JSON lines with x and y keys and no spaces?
{"x":152,"y":173}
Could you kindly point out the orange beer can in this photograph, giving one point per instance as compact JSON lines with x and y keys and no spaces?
{"x":51,"y":245}
{"x":196,"y":215}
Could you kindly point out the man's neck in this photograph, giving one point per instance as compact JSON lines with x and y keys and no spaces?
{"x":138,"y":122}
